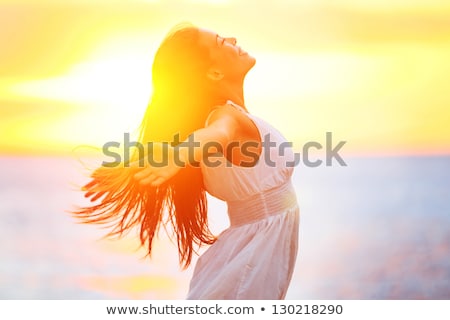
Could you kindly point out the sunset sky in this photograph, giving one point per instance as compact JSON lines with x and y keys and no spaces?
{"x":373,"y":72}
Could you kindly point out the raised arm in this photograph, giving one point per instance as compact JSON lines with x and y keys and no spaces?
{"x":222,"y":127}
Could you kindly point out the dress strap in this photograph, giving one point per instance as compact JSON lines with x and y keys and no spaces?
{"x":231,"y":103}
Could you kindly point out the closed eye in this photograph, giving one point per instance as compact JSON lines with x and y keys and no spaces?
{"x":220,"y":41}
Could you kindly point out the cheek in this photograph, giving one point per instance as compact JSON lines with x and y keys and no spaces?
{"x":229,"y":57}
{"x":229,"y":63}
{"x":221,"y":59}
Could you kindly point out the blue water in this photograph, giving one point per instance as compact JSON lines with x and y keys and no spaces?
{"x":376,"y":229}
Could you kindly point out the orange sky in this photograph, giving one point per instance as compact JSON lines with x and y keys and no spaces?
{"x":375,"y":73}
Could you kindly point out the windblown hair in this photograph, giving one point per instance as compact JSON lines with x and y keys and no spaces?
{"x":179,"y":105}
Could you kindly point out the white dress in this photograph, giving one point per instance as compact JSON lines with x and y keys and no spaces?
{"x":254,"y":258}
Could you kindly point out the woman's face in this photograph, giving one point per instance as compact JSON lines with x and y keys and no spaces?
{"x":229,"y":61}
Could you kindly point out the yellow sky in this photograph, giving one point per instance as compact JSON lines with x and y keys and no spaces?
{"x":375,"y":73}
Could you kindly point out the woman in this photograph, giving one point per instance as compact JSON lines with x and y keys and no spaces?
{"x":198,"y":97}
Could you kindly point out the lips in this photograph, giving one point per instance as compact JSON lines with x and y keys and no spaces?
{"x":241,"y":52}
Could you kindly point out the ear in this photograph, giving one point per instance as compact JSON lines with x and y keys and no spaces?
{"x":214,"y":74}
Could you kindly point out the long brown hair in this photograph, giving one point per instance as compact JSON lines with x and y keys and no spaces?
{"x":180,"y":103}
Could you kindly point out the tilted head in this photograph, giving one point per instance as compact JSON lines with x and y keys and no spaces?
{"x":196,"y":61}
{"x":228,"y":61}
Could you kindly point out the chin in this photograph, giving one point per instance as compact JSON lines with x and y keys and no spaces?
{"x":251,"y":59}
{"x":250,"y":62}
{"x":243,"y":67}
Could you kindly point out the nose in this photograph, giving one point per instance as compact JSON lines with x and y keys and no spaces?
{"x":231,"y":40}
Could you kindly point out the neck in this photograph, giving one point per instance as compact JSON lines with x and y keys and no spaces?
{"x":234,"y":91}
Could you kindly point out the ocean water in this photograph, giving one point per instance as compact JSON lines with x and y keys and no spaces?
{"x":376,"y":229}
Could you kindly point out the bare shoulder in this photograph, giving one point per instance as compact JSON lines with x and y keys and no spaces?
{"x":228,"y":114}
{"x":222,"y":113}
{"x":238,"y":127}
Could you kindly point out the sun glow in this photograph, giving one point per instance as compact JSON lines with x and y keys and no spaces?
{"x":376,"y":80}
